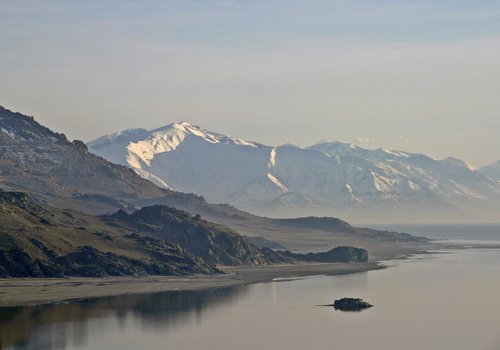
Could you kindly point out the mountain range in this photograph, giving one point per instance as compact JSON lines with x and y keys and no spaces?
{"x":68,"y":212}
{"x":329,"y":178}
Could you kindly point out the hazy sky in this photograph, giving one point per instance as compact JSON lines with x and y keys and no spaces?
{"x":419,"y":76}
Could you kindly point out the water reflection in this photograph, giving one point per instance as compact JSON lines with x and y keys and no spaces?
{"x":59,"y":326}
{"x":437,"y":301}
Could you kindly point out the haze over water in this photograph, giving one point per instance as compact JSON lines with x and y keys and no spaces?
{"x":439,"y":301}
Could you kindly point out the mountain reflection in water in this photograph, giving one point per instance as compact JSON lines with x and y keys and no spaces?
{"x":57,"y":326}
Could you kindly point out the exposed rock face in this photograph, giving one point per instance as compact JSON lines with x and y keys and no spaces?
{"x":351,"y":304}
{"x":214,"y":243}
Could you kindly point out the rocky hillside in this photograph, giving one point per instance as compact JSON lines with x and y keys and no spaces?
{"x":41,"y":241}
{"x":214,"y":243}
{"x":44,"y":163}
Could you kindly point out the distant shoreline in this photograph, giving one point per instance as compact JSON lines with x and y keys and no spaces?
{"x":36,"y":291}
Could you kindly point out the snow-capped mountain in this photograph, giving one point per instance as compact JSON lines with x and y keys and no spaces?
{"x":328,"y":178}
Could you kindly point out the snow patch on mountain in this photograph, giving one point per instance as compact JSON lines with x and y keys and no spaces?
{"x":154,"y":179}
{"x":272,"y":158}
{"x":277,"y":183}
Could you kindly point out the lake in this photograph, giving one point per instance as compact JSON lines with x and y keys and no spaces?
{"x":447,"y":300}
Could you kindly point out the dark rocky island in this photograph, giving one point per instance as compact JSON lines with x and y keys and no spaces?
{"x":351,"y":304}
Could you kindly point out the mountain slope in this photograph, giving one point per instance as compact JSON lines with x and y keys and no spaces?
{"x":44,"y":163}
{"x":327,"y":178}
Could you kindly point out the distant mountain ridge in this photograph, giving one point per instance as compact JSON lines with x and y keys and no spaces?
{"x":330,"y":178}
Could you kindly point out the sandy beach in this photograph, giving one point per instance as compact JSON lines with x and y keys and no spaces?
{"x":22,"y":292}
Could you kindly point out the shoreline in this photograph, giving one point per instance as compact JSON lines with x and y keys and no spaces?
{"x":19,"y":292}
{"x":33,"y":291}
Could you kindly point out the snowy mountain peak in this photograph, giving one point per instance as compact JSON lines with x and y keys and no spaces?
{"x":138,"y":148}
{"x":181,"y":126}
{"x":184,"y":128}
{"x":326,"y":178}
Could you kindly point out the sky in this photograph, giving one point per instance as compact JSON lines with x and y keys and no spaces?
{"x":420,"y":76}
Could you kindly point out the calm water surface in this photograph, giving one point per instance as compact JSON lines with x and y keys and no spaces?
{"x":440,"y":301}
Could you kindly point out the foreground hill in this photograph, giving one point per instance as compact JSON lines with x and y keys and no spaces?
{"x":327,"y":178}
{"x":38,"y":241}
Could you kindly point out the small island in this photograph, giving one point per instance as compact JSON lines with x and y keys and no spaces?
{"x":351,"y":304}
